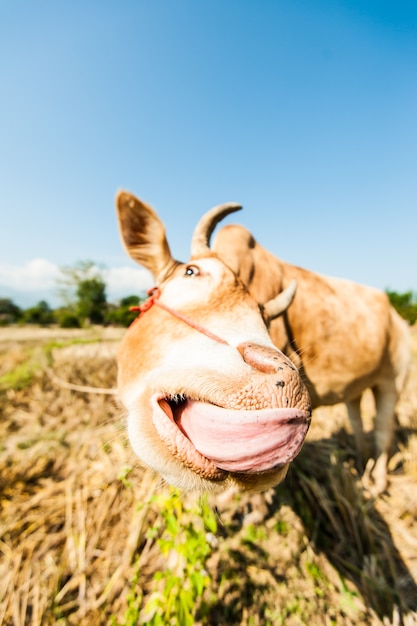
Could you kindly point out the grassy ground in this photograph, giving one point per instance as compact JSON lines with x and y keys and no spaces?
{"x":84,"y":529}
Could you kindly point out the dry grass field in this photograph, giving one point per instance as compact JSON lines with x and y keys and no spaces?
{"x":82,"y":524}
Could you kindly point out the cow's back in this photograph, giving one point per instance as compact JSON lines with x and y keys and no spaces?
{"x":341,"y":332}
{"x":343,"y":335}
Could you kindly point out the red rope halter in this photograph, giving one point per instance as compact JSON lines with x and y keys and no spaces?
{"x":154,"y":294}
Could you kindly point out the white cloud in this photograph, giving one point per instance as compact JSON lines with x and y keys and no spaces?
{"x":39,"y":278}
{"x":35,"y":275}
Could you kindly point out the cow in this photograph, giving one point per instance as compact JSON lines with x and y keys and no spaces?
{"x":211,"y":403}
{"x":343,"y":337}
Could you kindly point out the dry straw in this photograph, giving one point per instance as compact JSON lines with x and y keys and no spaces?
{"x":76,"y":509}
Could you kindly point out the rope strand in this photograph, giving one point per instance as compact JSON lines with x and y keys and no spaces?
{"x":154,"y":294}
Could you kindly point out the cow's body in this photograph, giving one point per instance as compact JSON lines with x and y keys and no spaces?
{"x":345,"y":337}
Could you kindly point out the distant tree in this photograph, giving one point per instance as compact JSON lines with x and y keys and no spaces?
{"x":41,"y":314}
{"x":121,"y":315}
{"x":69,"y":320}
{"x":130,"y":301}
{"x":91,"y":300}
{"x":405,"y":304}
{"x":83,"y":290}
{"x":9,"y":312}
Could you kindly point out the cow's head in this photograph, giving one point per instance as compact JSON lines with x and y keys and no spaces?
{"x":211,"y":402}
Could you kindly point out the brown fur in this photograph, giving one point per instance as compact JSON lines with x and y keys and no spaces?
{"x":345,"y":337}
{"x":165,"y":365}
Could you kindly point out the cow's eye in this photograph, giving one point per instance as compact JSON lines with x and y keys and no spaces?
{"x":192,"y":270}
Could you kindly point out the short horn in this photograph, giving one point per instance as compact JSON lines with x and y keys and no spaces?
{"x":278,"y":305}
{"x":200,"y":242}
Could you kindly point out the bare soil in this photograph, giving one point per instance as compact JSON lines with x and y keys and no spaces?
{"x":76,"y":507}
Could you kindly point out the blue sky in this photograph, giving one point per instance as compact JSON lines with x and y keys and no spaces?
{"x":303,"y":111}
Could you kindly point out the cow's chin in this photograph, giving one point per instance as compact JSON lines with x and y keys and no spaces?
{"x":213,"y":447}
{"x":253,"y":483}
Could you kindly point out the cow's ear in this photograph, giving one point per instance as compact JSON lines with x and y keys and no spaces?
{"x":143,"y":235}
{"x":278,"y":305}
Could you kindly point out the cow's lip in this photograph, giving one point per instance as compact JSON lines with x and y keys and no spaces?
{"x":212,"y":438}
{"x":179,"y":444}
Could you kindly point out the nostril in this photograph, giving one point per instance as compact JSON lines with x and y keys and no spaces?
{"x":262,"y":358}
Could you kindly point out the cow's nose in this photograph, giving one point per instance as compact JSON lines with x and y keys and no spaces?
{"x":263,"y":358}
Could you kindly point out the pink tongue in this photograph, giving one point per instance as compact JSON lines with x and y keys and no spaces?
{"x":244,"y":441}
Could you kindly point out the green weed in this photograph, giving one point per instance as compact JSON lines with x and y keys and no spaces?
{"x":22,"y":375}
{"x":178,"y":589}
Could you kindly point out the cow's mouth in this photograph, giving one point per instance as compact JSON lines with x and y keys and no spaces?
{"x":216,"y":440}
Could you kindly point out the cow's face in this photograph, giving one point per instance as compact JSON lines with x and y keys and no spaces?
{"x":210,"y":401}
